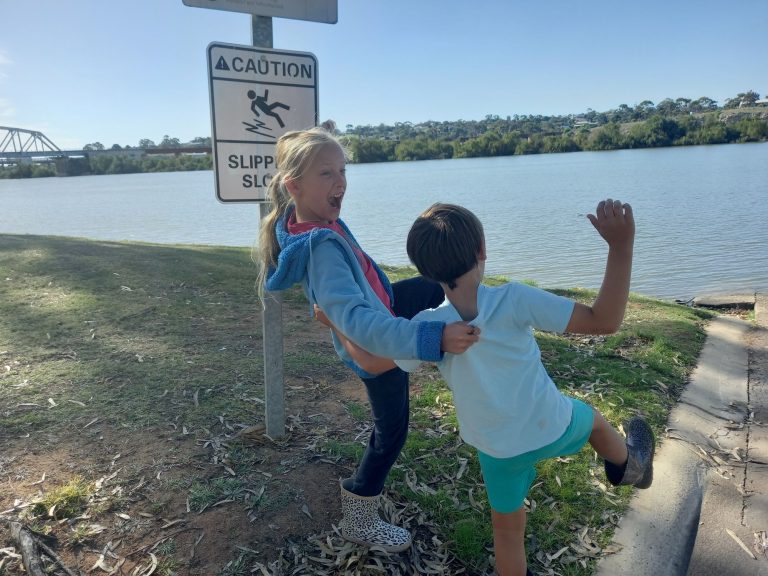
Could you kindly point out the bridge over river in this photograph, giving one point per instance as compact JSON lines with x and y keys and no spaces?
{"x":18,"y":145}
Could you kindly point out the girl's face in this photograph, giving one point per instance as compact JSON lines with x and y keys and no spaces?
{"x":319,"y":192}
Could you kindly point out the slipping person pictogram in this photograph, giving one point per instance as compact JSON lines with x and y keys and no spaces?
{"x":259,"y":103}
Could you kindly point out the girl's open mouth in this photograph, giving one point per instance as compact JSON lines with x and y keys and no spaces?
{"x":335,"y":201}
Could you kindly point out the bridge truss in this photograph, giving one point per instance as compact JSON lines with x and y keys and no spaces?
{"x":19,"y":140}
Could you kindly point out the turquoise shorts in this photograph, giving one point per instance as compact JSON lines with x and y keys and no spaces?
{"x":507,"y":480}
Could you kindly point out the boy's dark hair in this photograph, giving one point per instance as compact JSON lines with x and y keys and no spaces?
{"x":445,"y":242}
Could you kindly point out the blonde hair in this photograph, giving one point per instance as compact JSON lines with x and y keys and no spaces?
{"x":295,"y":152}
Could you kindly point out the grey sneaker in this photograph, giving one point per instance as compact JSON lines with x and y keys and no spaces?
{"x":638,"y":470}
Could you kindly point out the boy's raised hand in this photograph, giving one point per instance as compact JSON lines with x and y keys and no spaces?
{"x":458,"y":337}
{"x":614,"y":221}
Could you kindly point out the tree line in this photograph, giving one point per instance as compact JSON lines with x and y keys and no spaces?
{"x":657,"y":132}
{"x":100,"y":165}
{"x":671,"y":122}
{"x":678,"y":122}
{"x":146,"y":143}
{"x":119,"y":164}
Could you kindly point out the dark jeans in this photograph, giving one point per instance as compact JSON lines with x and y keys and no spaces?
{"x":388,"y":395}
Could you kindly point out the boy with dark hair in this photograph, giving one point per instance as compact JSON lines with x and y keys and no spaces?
{"x":506,"y":403}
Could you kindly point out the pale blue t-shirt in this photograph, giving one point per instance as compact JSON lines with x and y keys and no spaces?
{"x":505,"y":401}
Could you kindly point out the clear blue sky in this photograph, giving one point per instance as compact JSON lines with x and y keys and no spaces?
{"x":116,"y":71}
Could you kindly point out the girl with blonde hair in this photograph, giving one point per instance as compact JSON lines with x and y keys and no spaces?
{"x":303,"y":240}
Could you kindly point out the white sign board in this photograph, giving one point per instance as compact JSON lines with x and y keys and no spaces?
{"x":257,"y":95}
{"x":313,"y":10}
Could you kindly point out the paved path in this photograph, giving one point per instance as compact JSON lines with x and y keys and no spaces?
{"x":710,"y":490}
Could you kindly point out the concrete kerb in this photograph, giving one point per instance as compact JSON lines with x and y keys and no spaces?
{"x":756,"y":482}
{"x":708,"y":492}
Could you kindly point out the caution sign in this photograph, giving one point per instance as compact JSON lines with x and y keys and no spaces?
{"x":257,"y":95}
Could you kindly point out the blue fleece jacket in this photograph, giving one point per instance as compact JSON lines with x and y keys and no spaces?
{"x":328,"y":270}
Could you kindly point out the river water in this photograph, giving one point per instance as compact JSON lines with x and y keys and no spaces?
{"x":701,"y":212}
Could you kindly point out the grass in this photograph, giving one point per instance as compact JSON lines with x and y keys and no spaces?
{"x":103,"y":329}
{"x":641,"y":369}
{"x":64,"y":501}
{"x":359,"y":412}
{"x":136,"y":336}
{"x":240,"y":566}
{"x":205,"y":494}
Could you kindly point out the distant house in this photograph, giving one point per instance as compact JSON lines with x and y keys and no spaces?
{"x":748,"y":102}
{"x":580,"y":121}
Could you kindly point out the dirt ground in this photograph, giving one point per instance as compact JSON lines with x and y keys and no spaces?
{"x":148,"y":526}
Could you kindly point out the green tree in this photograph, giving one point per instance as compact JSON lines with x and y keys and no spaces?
{"x":562,"y":143}
{"x":703,"y":104}
{"x":712,"y":132}
{"x":488,"y":144}
{"x":623,"y":114}
{"x":423,"y":148}
{"x":683,"y":105}
{"x":168,"y":142}
{"x":372,"y":150}
{"x":644,"y":109}
{"x":653,"y":133}
{"x":742,"y":99}
{"x":751,"y":130}
{"x":98,"y":164}
{"x":667,"y":107}
{"x":27,"y":171}
{"x":606,"y":137}
{"x":78,"y":166}
{"x":532,"y":145}
{"x":749,"y":98}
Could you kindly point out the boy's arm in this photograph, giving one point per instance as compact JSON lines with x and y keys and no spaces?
{"x":615,"y":222}
{"x":369,"y":362}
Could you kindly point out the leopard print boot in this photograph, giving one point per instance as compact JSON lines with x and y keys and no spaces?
{"x":638,"y":471}
{"x":361,"y":524}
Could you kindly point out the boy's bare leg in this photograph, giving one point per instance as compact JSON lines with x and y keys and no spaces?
{"x":607,"y":441}
{"x":509,"y":542}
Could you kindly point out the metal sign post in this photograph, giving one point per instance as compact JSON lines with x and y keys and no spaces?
{"x":272,"y":315}
{"x":272,"y":342}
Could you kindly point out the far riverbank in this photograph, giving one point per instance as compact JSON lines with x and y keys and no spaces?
{"x":533,"y":209}
{"x":492,"y":138}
